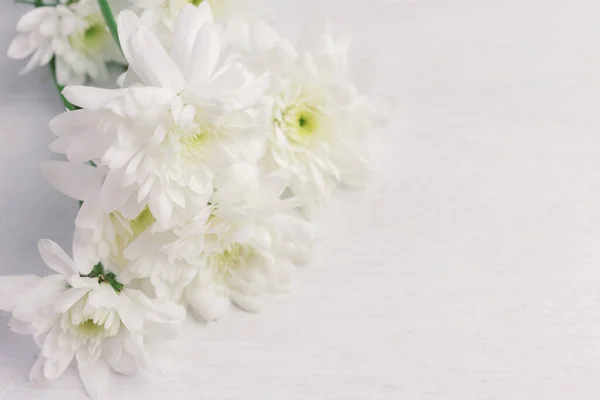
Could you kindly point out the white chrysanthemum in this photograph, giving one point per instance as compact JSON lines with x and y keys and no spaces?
{"x":242,"y":247}
{"x":92,"y":318}
{"x":75,"y":34}
{"x":319,"y":123}
{"x":98,"y":236}
{"x":187,"y":116}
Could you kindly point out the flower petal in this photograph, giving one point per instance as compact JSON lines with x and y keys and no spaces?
{"x":56,"y":258}
{"x":146,"y":56}
{"x":69,"y":298}
{"x":78,"y":181}
{"x":94,"y":378}
{"x":12,"y":288}
{"x":91,"y":98}
{"x":187,"y":25}
{"x":205,"y":55}
{"x":21,"y":47}
{"x":31,"y":19}
{"x":207,"y":303}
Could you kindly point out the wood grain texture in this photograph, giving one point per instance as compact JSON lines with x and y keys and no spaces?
{"x":470,"y":268}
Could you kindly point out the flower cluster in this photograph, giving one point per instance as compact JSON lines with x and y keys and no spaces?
{"x":198,"y":177}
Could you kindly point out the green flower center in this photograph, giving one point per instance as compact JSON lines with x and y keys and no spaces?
{"x":195,"y":2}
{"x":301,"y":122}
{"x":94,"y":36}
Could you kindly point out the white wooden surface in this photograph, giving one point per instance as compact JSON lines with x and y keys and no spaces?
{"x":471,"y":268}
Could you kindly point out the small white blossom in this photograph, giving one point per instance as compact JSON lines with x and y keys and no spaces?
{"x":88,"y":316}
{"x":74,"y":34}
{"x":319,"y":123}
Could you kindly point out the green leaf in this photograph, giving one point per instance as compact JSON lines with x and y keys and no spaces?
{"x":110,"y":20}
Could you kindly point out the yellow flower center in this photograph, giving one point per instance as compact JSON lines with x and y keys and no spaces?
{"x":90,"y":324}
{"x":89,"y":329}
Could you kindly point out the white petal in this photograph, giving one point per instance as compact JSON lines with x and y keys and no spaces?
{"x":31,"y":19}
{"x":151,"y":62}
{"x":91,"y":98}
{"x":84,"y":253}
{"x":112,"y":195}
{"x":80,"y":282}
{"x":37,"y":372}
{"x":187,"y":25}
{"x":247,"y":303}
{"x":161,"y":207}
{"x":12,"y":288}
{"x":56,"y":258}
{"x":95,"y":378}
{"x":104,"y":297}
{"x":21,"y":47}
{"x":72,"y":123}
{"x":78,"y":181}
{"x":69,"y":298}
{"x":157,"y":310}
{"x":127,"y":23}
{"x":125,"y":365}
{"x":207,"y":303}
{"x":130,"y":314}
{"x":205,"y":55}
{"x":34,"y":61}
{"x":87,"y":355}
{"x":54,"y":367}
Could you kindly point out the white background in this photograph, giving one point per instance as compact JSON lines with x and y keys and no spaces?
{"x":471,"y":268}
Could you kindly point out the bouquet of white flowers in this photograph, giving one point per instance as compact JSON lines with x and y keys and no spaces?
{"x":198,"y":177}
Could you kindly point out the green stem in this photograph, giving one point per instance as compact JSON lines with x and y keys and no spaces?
{"x":110,"y":20}
{"x":60,"y":87}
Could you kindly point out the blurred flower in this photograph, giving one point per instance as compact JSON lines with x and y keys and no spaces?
{"x":319,"y":122}
{"x":73,"y":33}
{"x":88,"y":316}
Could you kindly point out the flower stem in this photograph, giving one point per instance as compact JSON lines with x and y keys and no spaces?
{"x":60,"y":87}
{"x":109,"y":18}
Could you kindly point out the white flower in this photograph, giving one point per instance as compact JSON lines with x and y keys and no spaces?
{"x":98,"y":235}
{"x":187,"y":116}
{"x":319,"y":123}
{"x":242,"y":247}
{"x":92,"y":318}
{"x":75,"y":34}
